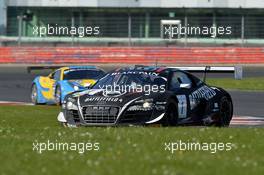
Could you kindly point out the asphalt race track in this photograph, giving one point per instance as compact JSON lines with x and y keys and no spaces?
{"x":15,"y":84}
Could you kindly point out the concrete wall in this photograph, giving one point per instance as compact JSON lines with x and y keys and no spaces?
{"x":141,"y":3}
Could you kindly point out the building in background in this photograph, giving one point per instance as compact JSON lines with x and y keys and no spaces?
{"x":134,"y":18}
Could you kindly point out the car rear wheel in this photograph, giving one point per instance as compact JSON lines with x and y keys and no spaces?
{"x":226,"y":112}
{"x":171,"y":114}
{"x":34,"y":94}
{"x":58,"y":95}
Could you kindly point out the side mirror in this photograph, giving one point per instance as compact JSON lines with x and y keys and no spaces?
{"x":185,"y":86}
{"x":51,"y":76}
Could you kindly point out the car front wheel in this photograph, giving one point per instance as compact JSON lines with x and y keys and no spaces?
{"x":34,"y":94}
{"x":171,"y":114}
{"x":58,"y":95}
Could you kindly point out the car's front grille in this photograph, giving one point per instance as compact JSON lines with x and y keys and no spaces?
{"x":100,"y":114}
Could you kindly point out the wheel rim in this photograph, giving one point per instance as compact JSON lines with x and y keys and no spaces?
{"x":58,"y":95}
{"x":34,"y":94}
{"x":225,"y":112}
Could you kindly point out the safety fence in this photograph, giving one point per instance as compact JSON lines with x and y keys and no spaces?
{"x":131,"y":55}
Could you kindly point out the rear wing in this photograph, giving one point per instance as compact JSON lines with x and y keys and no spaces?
{"x":236,"y":70}
{"x":32,"y":68}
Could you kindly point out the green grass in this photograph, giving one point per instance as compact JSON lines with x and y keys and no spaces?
{"x":256,"y":84}
{"x":123,"y":150}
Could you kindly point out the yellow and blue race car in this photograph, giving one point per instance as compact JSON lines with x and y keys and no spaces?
{"x":53,"y":88}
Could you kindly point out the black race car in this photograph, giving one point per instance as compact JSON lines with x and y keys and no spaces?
{"x":148,"y":95}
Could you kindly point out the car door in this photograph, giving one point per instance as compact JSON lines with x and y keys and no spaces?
{"x":199,"y":99}
{"x":182,"y":86}
{"x":46,"y":84}
{"x":52,"y":79}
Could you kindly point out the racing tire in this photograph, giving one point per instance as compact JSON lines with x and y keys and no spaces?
{"x":171,"y":114}
{"x":226,"y":112}
{"x":58,"y":95}
{"x":34,"y":94}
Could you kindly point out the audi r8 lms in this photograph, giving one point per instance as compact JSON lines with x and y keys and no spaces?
{"x":54,"y":87}
{"x":166,"y":96}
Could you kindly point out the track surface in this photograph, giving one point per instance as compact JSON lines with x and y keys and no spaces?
{"x":15,"y":84}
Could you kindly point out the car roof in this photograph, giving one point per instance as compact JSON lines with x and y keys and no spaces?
{"x":78,"y":68}
{"x":156,"y":69}
{"x":82,"y":67}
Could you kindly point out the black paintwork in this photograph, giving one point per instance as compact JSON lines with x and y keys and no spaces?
{"x":97,"y":108}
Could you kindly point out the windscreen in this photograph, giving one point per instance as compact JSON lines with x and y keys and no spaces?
{"x":129,"y":80}
{"x":82,"y":74}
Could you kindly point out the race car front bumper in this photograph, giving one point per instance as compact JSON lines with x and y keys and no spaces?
{"x":76,"y":118}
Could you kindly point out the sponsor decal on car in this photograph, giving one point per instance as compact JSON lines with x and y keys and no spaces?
{"x":182,"y":106}
{"x":203,"y":92}
{"x":135,"y":72}
{"x":107,"y":99}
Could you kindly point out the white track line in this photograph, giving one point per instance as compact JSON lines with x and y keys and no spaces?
{"x":15,"y":103}
{"x":247,"y":121}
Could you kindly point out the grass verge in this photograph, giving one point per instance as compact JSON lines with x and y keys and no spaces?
{"x":123,"y":150}
{"x":255,"y":84}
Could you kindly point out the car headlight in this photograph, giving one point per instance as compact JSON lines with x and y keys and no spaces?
{"x":142,"y":105}
{"x":71,"y":106}
{"x":149,"y":100}
{"x":76,"y":88}
{"x":147,"y":104}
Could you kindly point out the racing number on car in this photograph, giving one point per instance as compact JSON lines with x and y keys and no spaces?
{"x":182,"y":106}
